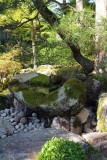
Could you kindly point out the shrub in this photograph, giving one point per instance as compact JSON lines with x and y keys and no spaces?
{"x":62,"y":149}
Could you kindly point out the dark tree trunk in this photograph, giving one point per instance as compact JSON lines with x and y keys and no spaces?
{"x":51,"y":18}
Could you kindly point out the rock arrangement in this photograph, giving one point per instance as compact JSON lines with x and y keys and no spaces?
{"x":13,"y":122}
{"x":78,"y":124}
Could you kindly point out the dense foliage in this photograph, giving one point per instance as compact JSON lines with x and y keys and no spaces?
{"x":62,"y":149}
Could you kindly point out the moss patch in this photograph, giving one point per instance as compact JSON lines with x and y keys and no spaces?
{"x":101,"y":120}
{"x":67,"y":70}
{"x":35,"y":98}
{"x":40,"y":80}
{"x":74,"y":88}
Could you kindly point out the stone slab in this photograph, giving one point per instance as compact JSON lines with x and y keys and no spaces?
{"x":95,"y":137}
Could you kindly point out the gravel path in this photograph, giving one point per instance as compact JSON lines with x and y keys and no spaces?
{"x":25,"y":146}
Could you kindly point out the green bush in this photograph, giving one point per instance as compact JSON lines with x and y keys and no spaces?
{"x":62,"y":149}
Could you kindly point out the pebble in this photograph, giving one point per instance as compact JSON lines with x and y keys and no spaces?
{"x":7,"y":111}
{"x":17,"y":126}
{"x":3,"y":115}
{"x":11,"y":120}
{"x":23,"y":120}
{"x":94,"y":123}
{"x":22,"y":127}
{"x":34,"y":115}
{"x":14,"y":123}
{"x":19,"y":121}
{"x":21,"y":114}
{"x":2,"y":111}
{"x":25,"y":130}
{"x":30,"y":124}
{"x":11,"y":110}
{"x":3,"y":136}
{"x":16,"y":131}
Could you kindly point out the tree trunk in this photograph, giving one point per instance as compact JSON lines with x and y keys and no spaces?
{"x":79,"y":5}
{"x":33,"y":31}
{"x":101,"y":57}
{"x":51,"y":18}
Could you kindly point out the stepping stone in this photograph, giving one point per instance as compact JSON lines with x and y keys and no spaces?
{"x":95,"y":137}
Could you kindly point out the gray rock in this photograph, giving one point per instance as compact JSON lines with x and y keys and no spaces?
{"x":26,"y":130}
{"x":5,"y":127}
{"x":4,"y":136}
{"x":56,"y":123}
{"x":22,"y":127}
{"x":23,"y":120}
{"x":12,"y":120}
{"x":21,"y":114}
{"x":14,"y":123}
{"x":15,"y":131}
{"x":8,"y":126}
{"x":3,"y":115}
{"x":7,"y":111}
{"x":2,"y":130}
{"x":30,"y":124}
{"x":2,"y":111}
{"x":12,"y":115}
{"x":11,"y":110}
{"x":34,"y":114}
{"x":17,"y":119}
{"x":17,"y":127}
{"x":23,"y":77}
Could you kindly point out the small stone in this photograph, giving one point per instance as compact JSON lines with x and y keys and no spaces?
{"x":14,"y":134}
{"x":97,"y":129}
{"x":83,"y":115}
{"x":7,"y":111}
{"x":17,"y":127}
{"x":21,"y":114}
{"x":41,"y":126}
{"x":6,"y":118}
{"x":19,"y":130}
{"x":3,"y":115}
{"x":31,"y":127}
{"x":11,"y":120}
{"x":36,"y":120}
{"x":20,"y":124}
{"x":22,"y":127}
{"x":23,"y":120}
{"x":25,"y":130}
{"x":14,"y":123}
{"x":3,"y":136}
{"x":94,"y":123}
{"x":30,"y":124}
{"x":15,"y":131}
{"x":2,"y":111}
{"x":88,"y":130}
{"x":11,"y":110}
{"x":17,"y":119}
{"x":34,"y":115}
{"x":14,"y":114}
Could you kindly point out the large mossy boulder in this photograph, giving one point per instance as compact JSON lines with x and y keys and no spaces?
{"x":102,"y":113}
{"x":69,"y":99}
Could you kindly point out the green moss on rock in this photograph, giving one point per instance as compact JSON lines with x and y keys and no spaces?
{"x":102,"y":107}
{"x":69,"y":98}
{"x":74,"y":88}
{"x":40,"y":80}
